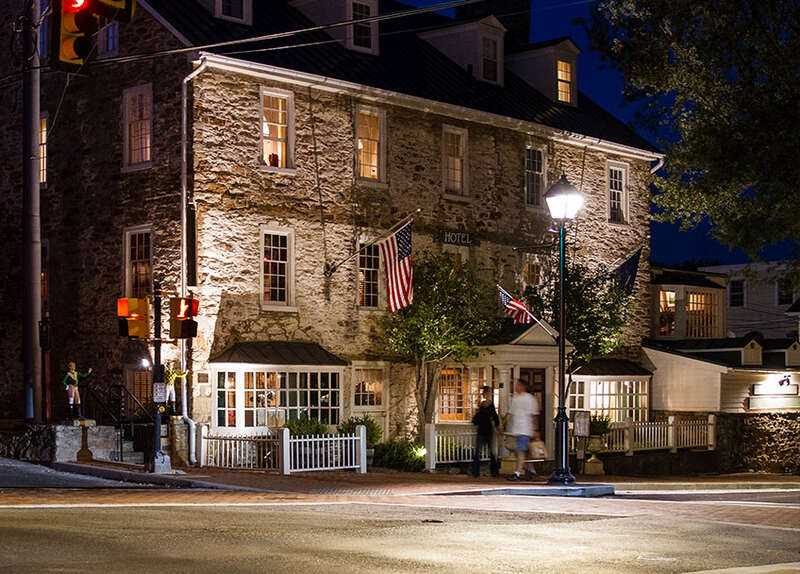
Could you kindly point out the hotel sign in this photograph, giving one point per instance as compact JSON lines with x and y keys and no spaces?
{"x":456,"y":238}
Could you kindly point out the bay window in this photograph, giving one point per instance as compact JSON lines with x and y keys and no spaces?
{"x":618,"y":399}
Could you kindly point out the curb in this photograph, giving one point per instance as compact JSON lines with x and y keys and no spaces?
{"x":578,"y":490}
{"x":704,"y":486}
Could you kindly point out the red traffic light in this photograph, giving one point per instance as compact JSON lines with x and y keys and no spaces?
{"x":74,"y":5}
{"x":182,"y":308}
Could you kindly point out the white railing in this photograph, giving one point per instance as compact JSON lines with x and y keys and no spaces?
{"x":670,"y":434}
{"x":286,"y":453}
{"x":452,"y":445}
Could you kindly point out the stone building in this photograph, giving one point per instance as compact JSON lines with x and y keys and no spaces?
{"x":300,"y":150}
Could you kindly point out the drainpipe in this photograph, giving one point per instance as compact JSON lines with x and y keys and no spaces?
{"x":184,"y":248}
{"x":658,"y":165}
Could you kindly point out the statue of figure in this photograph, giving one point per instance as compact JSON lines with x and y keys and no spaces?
{"x":170,"y":374}
{"x":70,"y":382}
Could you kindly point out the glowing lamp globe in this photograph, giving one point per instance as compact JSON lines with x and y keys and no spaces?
{"x":563,"y":200}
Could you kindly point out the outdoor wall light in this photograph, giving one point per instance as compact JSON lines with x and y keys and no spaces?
{"x":146,"y":363}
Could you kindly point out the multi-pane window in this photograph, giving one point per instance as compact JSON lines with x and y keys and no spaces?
{"x":138,"y":122}
{"x":314,"y":395}
{"x":233,"y":9}
{"x":490,"y":63}
{"x":564,"y":81}
{"x":369,"y":144}
{"x":226,"y":399}
{"x":534,"y":176}
{"x":362,"y":33}
{"x":368,"y":266}
{"x":785,"y":289}
{"x":108,"y":38}
{"x":736,"y":293}
{"x":531,"y":274}
{"x":275,"y":130}
{"x":261,"y":400}
{"x":616,"y":194}
{"x":666,"y":308}
{"x":368,"y":389}
{"x":43,"y":149}
{"x":139,"y":264}
{"x":459,"y":394}
{"x":618,"y":399}
{"x":701,"y":316}
{"x":276,"y":268}
{"x":454,"y":156}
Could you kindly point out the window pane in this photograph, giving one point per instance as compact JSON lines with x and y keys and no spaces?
{"x":138,"y":126}
{"x":368,"y":267}
{"x":274,"y":129}
{"x":362,"y":33}
{"x":454,"y":162}
{"x":616,"y":186}
{"x":139,"y":266}
{"x":276,"y":257}
{"x":534,"y":176}
{"x":233,"y":8}
{"x":785,"y":291}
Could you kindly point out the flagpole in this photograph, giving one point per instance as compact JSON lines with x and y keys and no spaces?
{"x":531,"y":315}
{"x":331,"y":269}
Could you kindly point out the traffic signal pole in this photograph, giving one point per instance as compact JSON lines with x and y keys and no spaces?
{"x":31,"y":218}
{"x":159,"y":461}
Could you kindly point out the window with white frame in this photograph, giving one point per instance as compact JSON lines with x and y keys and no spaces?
{"x":490,"y":59}
{"x":701,"y":314}
{"x":368,"y":388}
{"x":363,"y":36}
{"x":368,"y":267}
{"x":455,"y":154}
{"x":240,"y":11}
{"x":459,"y":391}
{"x":43,"y":148}
{"x":666,"y":310}
{"x":138,"y":261}
{"x":137,"y":112}
{"x":370,"y":143}
{"x":261,"y":404}
{"x":534,"y":177}
{"x":532,"y":272}
{"x":277,"y":277}
{"x":564,"y":78}
{"x":617,"y":192}
{"x":277,"y":128}
{"x":785,"y":291}
{"x":108,"y":38}
{"x":736,"y":293}
{"x":617,"y":399}
{"x":226,"y":399}
{"x":315,"y":395}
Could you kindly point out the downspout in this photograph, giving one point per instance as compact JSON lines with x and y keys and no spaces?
{"x":658,"y":165}
{"x":184,"y":249}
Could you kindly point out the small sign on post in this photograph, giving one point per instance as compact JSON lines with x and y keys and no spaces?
{"x":580,"y":423}
{"x":159,"y":392}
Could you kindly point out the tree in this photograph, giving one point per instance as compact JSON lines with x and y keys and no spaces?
{"x":598,"y":309}
{"x":452,"y":313}
{"x":717,"y":83}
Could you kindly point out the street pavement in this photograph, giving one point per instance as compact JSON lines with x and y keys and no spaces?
{"x":18,"y":474}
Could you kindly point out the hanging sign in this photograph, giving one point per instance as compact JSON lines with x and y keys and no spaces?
{"x":456,"y":238}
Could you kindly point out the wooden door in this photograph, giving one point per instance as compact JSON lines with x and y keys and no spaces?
{"x":535,"y":379}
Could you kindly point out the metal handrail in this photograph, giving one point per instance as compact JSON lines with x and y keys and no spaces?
{"x":123,"y":388}
{"x":98,"y":400}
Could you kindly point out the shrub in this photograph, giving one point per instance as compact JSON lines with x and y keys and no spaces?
{"x":306,"y":426}
{"x":599,"y":425}
{"x":400,"y":455}
{"x":373,"y":430}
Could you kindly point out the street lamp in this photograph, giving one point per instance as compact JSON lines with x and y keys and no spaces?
{"x":564,"y":201}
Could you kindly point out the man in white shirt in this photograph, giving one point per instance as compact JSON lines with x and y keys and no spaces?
{"x":524,"y":426}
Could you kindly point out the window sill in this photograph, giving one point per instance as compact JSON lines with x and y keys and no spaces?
{"x":372,"y":310}
{"x":619,"y":223}
{"x":373,"y":409}
{"x":136,"y":167}
{"x":278,"y":308}
{"x":376,"y":183}
{"x":535,"y":208}
{"x":279,"y":170}
{"x":458,"y":198}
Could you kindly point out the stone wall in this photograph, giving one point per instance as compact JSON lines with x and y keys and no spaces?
{"x":768,"y":442}
{"x":57,"y":443}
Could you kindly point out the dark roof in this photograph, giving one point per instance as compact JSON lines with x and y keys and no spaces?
{"x":612,"y":367}
{"x":277,"y":353}
{"x":509,"y":331}
{"x":406,"y":64}
{"x":545,"y":44}
{"x":715,"y":350}
{"x":675,"y":277}
{"x":795,"y":308}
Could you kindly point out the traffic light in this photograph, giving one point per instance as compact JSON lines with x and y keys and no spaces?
{"x":181,"y":311}
{"x":134,"y":317}
{"x":120,"y":10}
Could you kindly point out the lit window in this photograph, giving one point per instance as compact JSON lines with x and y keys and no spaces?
{"x":458,"y":394}
{"x":617,"y":194}
{"x":736,"y":293}
{"x":276,"y":268}
{"x":369,"y":145}
{"x":137,"y":112}
{"x":261,"y":404}
{"x":226,"y":399}
{"x":617,"y":399}
{"x":785,"y":289}
{"x":531,"y":274}
{"x":108,"y":38}
{"x":490,"y":64}
{"x":701,"y":316}
{"x":277,"y":129}
{"x":233,"y":9}
{"x":534,"y":176}
{"x":368,"y":266}
{"x":564,"y":81}
{"x":454,"y":161}
{"x":666,"y":306}
{"x":362,"y":33}
{"x":368,"y":388}
{"x":138,"y":262}
{"x":43,"y":150}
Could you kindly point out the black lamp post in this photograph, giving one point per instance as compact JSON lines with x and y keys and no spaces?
{"x":564,"y":201}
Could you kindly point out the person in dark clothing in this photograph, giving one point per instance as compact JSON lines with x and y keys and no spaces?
{"x":487,"y":421}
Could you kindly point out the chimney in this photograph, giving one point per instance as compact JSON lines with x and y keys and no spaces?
{"x":518,"y":26}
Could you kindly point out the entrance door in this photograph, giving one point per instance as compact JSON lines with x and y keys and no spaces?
{"x":534,"y":378}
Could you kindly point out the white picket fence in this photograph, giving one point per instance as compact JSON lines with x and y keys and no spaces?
{"x":448,"y":445}
{"x":284,"y":452}
{"x":670,"y":434}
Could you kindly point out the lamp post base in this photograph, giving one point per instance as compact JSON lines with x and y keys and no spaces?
{"x":561,"y":477}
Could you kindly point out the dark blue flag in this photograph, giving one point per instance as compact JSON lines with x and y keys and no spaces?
{"x":626,"y":273}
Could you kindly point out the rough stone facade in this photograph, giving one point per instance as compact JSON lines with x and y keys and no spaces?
{"x":765,"y":442}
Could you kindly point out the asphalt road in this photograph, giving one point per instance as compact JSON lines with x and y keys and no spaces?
{"x":18,"y":474}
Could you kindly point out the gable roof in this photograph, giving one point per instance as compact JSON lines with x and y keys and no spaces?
{"x":612,"y":367}
{"x":406,"y":65}
{"x":727,"y":351}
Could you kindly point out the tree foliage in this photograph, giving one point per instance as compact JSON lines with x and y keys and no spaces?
{"x":717,"y":83}
{"x":597,"y":309}
{"x":453,"y":311}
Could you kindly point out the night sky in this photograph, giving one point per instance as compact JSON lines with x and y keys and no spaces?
{"x":553,"y":19}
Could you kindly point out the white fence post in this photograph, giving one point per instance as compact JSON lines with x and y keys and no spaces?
{"x":285,"y":455}
{"x":203,"y":445}
{"x":628,"y":437}
{"x":672,"y":435}
{"x":362,"y":449}
{"x":430,"y":447}
{"x":712,"y":428}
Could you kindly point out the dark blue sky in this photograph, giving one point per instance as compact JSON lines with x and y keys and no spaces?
{"x":553,"y":19}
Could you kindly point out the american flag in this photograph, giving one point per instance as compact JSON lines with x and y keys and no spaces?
{"x":514,"y":309}
{"x":396,"y":252}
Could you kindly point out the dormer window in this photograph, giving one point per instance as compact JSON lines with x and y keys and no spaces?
{"x":234,"y":10}
{"x":363,"y":37}
{"x":490,"y":62}
{"x":564,"y":81}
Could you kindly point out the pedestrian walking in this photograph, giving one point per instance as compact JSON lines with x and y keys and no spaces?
{"x":524,"y":414}
{"x":488,"y":422}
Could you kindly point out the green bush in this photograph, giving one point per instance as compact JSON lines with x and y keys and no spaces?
{"x":599,"y":425}
{"x":400,"y":455}
{"x":373,"y":430}
{"x":306,"y":426}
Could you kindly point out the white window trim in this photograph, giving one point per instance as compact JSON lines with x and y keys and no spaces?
{"x":381,"y":113}
{"x":373,"y":10}
{"x":290,"y":130}
{"x":126,"y":255}
{"x":382,"y":303}
{"x":289,"y":306}
{"x":473,"y":378}
{"x":625,"y":191}
{"x":127,"y":167}
{"x":497,"y":37}
{"x":464,"y":133}
{"x":370,"y":365}
{"x":102,"y":37}
{"x":247,"y":11}
{"x":744,"y":293}
{"x":573,"y":82}
{"x":542,"y":204}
